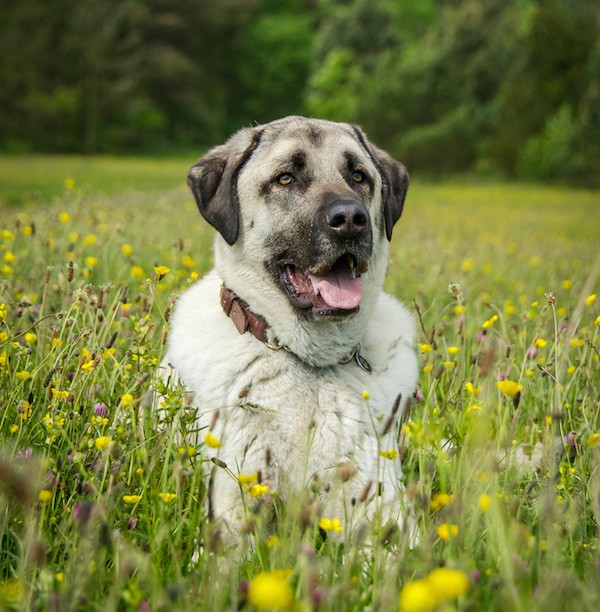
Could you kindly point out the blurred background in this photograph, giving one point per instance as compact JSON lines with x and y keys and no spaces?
{"x":502,"y":88}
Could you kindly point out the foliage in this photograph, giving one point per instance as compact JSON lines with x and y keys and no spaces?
{"x":445,"y":86}
{"x":100,"y":506}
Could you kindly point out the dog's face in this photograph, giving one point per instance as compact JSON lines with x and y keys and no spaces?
{"x":306,"y":208}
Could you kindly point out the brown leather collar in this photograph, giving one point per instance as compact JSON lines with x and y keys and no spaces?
{"x":245,"y":320}
{"x":241,"y":315}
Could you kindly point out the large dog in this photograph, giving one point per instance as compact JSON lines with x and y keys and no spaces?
{"x":297,"y":361}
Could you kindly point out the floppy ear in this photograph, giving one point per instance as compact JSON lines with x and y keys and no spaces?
{"x":213,"y":181}
{"x":394,"y":178}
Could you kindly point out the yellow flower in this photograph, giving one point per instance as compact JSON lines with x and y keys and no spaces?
{"x":597,"y":321}
{"x":69,"y":184}
{"x":425,"y":348}
{"x":247,"y":478}
{"x":448,"y":583}
{"x":11,"y":591}
{"x":391,"y":453}
{"x":459,"y":309}
{"x":109,"y":352}
{"x":7,"y":235}
{"x":88,"y":365}
{"x":594,"y":440}
{"x":127,"y":249}
{"x":44,"y":496}
{"x":91,"y":261}
{"x":509,"y":387}
{"x":490,"y":322}
{"x":453,"y":350}
{"x":258,"y":490}
{"x":59,"y":395}
{"x":102,"y":443}
{"x":137,"y":272}
{"x":3,"y":311}
{"x":211,"y":440}
{"x":439,"y":500}
{"x":590,"y":300}
{"x":271,"y":590}
{"x":131,"y":499}
{"x":446,"y":531}
{"x":418,"y":596}
{"x":330,"y":524}
{"x":160,"y":271}
{"x":366,"y":395}
{"x":472,"y":389}
{"x":168,"y":497}
{"x":467,"y":265}
{"x":567,"y":284}
{"x":64,"y":217}
{"x":485,"y":501}
{"x":23,"y":375}
{"x":9,"y":257}
{"x":89,"y":240}
{"x":273,"y":541}
{"x":540,"y":343}
{"x":188,"y":262}
{"x":30,"y":338}
{"x":126,"y":400}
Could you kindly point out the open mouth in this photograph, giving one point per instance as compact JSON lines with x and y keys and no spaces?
{"x":336,"y":292}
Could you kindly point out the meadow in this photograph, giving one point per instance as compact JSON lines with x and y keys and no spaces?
{"x":102,"y":509}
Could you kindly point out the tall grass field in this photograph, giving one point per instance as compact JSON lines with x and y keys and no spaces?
{"x":102,"y":508}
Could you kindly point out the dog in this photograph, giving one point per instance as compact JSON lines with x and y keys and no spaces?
{"x":297,"y":362}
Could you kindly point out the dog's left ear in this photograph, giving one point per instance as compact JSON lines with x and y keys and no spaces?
{"x":213,"y":181}
{"x":395,"y":181}
{"x":395,"y":186}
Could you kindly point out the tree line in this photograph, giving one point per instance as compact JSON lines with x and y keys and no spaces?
{"x":494,"y":86}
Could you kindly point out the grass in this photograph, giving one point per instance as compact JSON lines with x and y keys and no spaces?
{"x":101,"y":509}
{"x":42,"y":178}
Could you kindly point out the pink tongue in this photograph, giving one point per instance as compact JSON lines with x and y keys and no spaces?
{"x":338,"y":288}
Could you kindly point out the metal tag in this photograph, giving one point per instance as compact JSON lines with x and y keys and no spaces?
{"x":362,"y":363}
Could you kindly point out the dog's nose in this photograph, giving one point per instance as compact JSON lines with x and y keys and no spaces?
{"x":347,"y":218}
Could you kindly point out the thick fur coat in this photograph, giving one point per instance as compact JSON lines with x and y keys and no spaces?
{"x":304,"y":210}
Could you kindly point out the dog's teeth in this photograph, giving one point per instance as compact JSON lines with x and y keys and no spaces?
{"x":353,"y":267}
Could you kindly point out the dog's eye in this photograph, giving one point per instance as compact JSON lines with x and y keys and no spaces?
{"x":285,"y":179}
{"x":358,"y":177}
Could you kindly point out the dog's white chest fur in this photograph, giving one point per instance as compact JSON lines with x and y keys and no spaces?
{"x":292,"y":423}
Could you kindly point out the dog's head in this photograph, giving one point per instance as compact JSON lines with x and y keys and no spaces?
{"x":307,"y":206}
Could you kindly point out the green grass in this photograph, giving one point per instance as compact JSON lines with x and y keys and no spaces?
{"x":502,"y":278}
{"x":42,"y":178}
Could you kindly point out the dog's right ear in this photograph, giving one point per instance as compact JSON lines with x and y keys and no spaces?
{"x":213,"y":181}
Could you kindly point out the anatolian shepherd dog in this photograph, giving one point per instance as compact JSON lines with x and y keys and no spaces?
{"x":295,"y":358}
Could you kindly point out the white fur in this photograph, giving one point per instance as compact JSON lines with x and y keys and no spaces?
{"x":311,"y":419}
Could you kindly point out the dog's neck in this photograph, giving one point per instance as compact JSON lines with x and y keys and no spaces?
{"x":247,"y":321}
